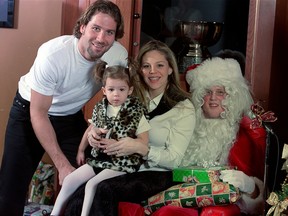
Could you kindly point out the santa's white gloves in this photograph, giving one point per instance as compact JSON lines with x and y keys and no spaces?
{"x":238,"y":179}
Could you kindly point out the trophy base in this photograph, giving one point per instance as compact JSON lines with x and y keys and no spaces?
{"x":187,"y":61}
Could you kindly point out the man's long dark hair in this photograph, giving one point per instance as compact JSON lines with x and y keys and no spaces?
{"x":101,"y":6}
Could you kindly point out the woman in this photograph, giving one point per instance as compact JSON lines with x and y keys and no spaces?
{"x":172,"y":121}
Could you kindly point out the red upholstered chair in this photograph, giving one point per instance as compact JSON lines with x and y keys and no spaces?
{"x":230,"y":210}
{"x":132,"y":209}
{"x":175,"y":211}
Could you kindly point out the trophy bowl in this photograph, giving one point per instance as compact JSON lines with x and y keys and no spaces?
{"x":199,"y":35}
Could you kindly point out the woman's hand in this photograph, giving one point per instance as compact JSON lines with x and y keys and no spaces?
{"x":125,"y":146}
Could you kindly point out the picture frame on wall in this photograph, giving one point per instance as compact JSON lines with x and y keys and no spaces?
{"x":7,"y":13}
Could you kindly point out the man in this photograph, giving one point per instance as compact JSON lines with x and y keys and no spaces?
{"x":46,"y":113}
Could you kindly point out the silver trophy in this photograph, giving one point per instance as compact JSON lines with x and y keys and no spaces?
{"x":197,"y":37}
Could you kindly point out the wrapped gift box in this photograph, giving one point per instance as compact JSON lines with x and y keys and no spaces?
{"x":42,"y":184}
{"x":190,"y":195}
{"x":198,"y":174}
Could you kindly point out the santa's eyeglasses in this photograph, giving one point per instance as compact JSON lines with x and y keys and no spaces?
{"x":218,"y":93}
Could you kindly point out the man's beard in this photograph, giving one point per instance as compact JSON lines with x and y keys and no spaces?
{"x":97,"y":55}
{"x":211,"y":143}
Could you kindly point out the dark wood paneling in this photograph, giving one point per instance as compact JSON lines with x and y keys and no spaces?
{"x":259,"y":48}
{"x":279,"y":71}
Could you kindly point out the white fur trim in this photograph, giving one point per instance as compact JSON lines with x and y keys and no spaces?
{"x":212,"y":71}
{"x":253,"y":206}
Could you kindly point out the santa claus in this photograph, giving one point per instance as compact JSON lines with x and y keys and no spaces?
{"x":225,"y":133}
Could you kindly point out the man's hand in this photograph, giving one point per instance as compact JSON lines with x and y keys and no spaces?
{"x":64,"y":171}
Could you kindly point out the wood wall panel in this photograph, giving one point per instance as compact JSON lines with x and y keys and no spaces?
{"x":127,"y":10}
{"x":259,"y":48}
{"x":70,"y":14}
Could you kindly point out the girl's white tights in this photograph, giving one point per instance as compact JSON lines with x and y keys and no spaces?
{"x":75,"y":180}
{"x":91,"y":186}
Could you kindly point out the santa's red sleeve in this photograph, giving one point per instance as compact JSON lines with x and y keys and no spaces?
{"x":248,"y":152}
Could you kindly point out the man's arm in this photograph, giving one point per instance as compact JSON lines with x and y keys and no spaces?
{"x":82,"y":147}
{"x":39,"y":106}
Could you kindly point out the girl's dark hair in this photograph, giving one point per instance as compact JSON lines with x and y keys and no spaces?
{"x":103,"y":6}
{"x":173,"y":93}
{"x":128,"y":74}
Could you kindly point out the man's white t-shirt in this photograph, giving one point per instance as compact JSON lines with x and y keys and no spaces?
{"x":60,"y":70}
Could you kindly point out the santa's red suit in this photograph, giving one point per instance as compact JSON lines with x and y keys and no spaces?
{"x":247,"y":154}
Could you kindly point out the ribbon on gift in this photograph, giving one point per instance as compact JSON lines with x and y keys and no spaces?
{"x":261,"y":116}
{"x":277,"y":206}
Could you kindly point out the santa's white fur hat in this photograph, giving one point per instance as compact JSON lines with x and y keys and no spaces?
{"x":212,"y":71}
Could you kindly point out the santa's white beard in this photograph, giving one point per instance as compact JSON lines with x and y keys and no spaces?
{"x":211,"y":143}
